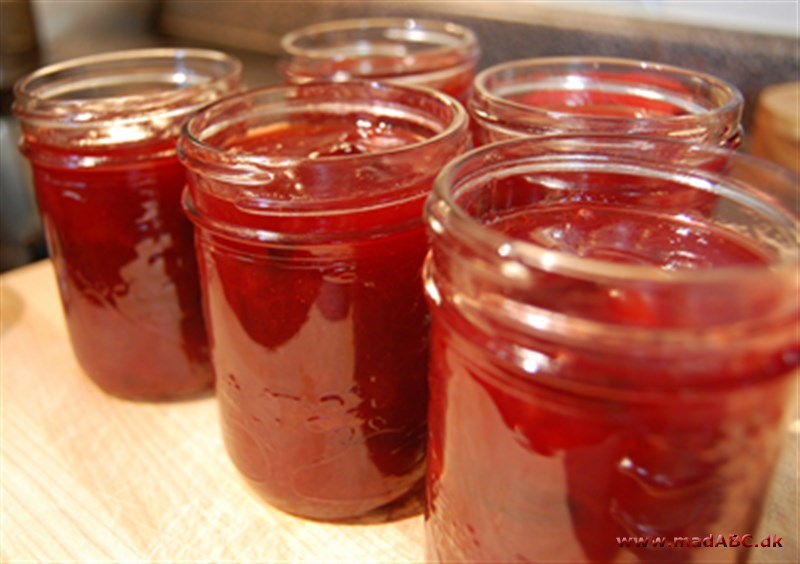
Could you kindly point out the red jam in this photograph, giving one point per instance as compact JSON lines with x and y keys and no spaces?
{"x":318,"y":324}
{"x":547,"y":448}
{"x":123,"y":253}
{"x":100,"y":133}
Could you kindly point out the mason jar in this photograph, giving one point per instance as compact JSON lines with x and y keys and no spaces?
{"x":437,"y":54}
{"x":308,"y":206}
{"x":100,"y":134}
{"x":552,"y":95}
{"x":606,"y":365}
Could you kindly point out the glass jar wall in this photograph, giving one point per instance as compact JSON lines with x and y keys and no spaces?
{"x":419,"y":52}
{"x":308,"y":204}
{"x":605,"y":363}
{"x":552,"y":95}
{"x":100,"y":134}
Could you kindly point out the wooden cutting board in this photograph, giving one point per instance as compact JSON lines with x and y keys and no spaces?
{"x":89,"y":477}
{"x":776,"y":126}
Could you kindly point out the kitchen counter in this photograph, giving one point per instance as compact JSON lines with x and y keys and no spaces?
{"x":86,"y":476}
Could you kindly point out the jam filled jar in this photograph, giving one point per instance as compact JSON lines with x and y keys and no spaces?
{"x":605,"y":364}
{"x":308,"y":206}
{"x":439,"y":55}
{"x":552,"y":95}
{"x":100,"y":134}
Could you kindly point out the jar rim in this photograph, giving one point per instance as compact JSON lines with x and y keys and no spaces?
{"x":482,"y":94}
{"x":255,"y":162}
{"x":39,"y":96}
{"x":443,"y":212}
{"x":463,"y":41}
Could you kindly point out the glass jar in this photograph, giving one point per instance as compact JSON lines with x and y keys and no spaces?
{"x":543,"y":96}
{"x":604,"y":364}
{"x":308,"y":206}
{"x":439,"y":55}
{"x":100,"y":134}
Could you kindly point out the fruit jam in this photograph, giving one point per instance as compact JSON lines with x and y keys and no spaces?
{"x":100,"y":133}
{"x":319,"y":328}
{"x":123,"y":253}
{"x":567,"y":411}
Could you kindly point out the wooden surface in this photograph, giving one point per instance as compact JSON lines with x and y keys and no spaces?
{"x":776,"y":127}
{"x":89,"y":477}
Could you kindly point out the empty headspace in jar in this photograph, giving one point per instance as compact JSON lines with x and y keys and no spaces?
{"x":125,"y":85}
{"x":605,"y":87}
{"x":642,"y":197}
{"x":377,"y":37}
{"x":258,"y":132}
{"x":346,"y":158}
{"x":282,"y":134}
{"x":600,"y":94}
